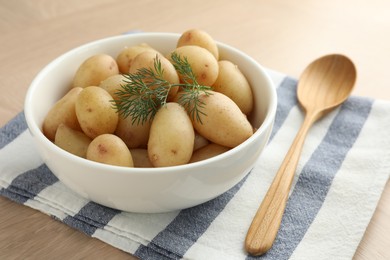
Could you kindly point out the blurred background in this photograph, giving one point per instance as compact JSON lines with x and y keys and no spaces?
{"x":281,"y":35}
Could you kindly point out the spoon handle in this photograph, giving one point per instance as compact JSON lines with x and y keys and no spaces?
{"x":265,"y":224}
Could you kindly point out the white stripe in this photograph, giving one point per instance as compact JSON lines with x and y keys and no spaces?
{"x":134,"y":228}
{"x":232,"y":224}
{"x":58,"y":200}
{"x":18,"y":157}
{"x":123,"y":243}
{"x":46,"y":209}
{"x":354,"y":194}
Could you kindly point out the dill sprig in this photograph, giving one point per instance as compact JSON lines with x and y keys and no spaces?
{"x":145,"y":91}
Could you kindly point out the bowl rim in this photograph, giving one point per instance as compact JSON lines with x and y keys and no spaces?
{"x":37,"y":132}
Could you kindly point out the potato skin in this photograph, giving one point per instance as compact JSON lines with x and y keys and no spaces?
{"x":146,"y":59}
{"x":171,"y":139}
{"x":134,"y":135}
{"x":127,"y":54}
{"x":94,"y":70}
{"x":224,"y":123}
{"x":63,"y":112}
{"x":200,"y":141}
{"x":141,"y":158}
{"x":95,"y":112}
{"x":199,"y":38}
{"x":112,"y":84}
{"x":207,"y":152}
{"x":73,"y":141}
{"x":233,"y":84}
{"x":109,"y":149}
{"x":203,"y":63}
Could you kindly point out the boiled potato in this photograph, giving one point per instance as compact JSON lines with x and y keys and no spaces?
{"x":199,"y":38}
{"x":233,"y":84}
{"x":126,"y":56}
{"x":178,"y":96}
{"x":141,"y":158}
{"x":223,"y":122}
{"x":200,"y":141}
{"x":94,"y":70}
{"x":95,"y":112}
{"x":171,"y":139}
{"x":202,"y":62}
{"x":73,"y":141}
{"x":207,"y":152}
{"x":64,"y":112}
{"x":133,"y":134}
{"x":109,"y":149}
{"x":113,"y":84}
{"x":146,"y":59}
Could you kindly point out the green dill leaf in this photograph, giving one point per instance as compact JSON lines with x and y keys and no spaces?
{"x":145,"y":91}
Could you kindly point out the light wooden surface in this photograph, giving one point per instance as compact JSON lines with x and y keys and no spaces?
{"x":281,"y":35}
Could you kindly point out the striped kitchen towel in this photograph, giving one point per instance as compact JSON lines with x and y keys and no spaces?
{"x":344,"y":167}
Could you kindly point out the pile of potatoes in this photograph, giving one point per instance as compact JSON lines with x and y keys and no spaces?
{"x":85,"y":122}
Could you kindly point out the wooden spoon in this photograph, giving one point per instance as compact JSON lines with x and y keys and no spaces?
{"x":325,"y":84}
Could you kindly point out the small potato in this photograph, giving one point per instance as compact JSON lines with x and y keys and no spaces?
{"x":233,"y":84}
{"x":141,"y":158}
{"x":146,"y":60}
{"x":203,"y":63}
{"x":64,"y":112}
{"x":95,"y":112}
{"x":113,"y":83}
{"x":73,"y":141}
{"x":134,"y":135}
{"x":109,"y":149}
{"x":199,"y":38}
{"x":126,"y":56}
{"x":178,"y":96}
{"x":200,"y":141}
{"x":94,"y":70}
{"x":171,"y":139}
{"x":207,"y":152}
{"x":223,"y":122}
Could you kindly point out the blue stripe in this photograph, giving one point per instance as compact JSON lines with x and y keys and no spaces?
{"x":12,"y":129}
{"x":191,"y":223}
{"x":27,"y":185}
{"x":146,"y":252}
{"x":287,"y":99}
{"x":317,"y":176}
{"x":91,"y":217}
{"x":186,"y":228}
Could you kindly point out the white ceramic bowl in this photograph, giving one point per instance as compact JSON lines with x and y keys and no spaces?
{"x":147,"y":189}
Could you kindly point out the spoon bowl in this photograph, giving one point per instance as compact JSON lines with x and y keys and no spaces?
{"x":325,"y":84}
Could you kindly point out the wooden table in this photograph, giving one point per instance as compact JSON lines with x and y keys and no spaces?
{"x":281,"y":35}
